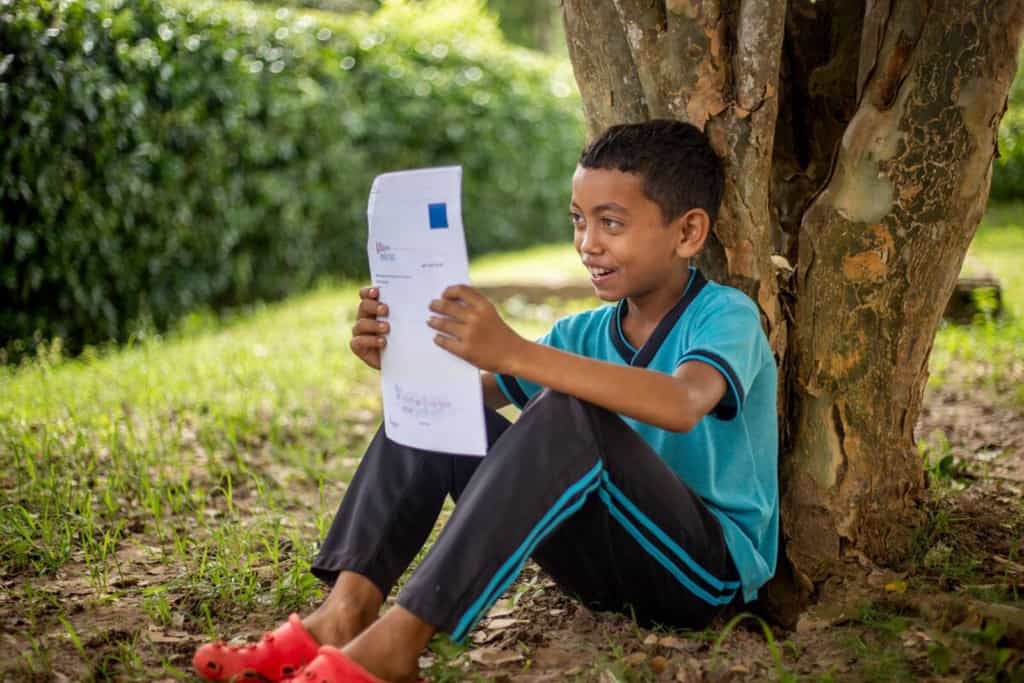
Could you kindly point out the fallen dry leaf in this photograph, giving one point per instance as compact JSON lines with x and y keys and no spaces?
{"x":498,"y":624}
{"x":483,"y":636}
{"x":500,"y":611}
{"x":492,"y":656}
{"x":673,"y":643}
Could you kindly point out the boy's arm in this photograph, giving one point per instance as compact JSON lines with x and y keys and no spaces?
{"x":674,"y":402}
{"x":494,"y":397}
{"x":474,"y":331}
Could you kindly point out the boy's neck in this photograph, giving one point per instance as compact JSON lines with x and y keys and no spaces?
{"x":643,"y":313}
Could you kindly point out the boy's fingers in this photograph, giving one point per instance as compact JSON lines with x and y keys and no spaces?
{"x":447,"y":343}
{"x":445,"y":325}
{"x":448,"y":308}
{"x":359,"y":343}
{"x":369,"y":293}
{"x":364,"y":343}
{"x":464,"y":292}
{"x":369,"y":326}
{"x":370,"y":308}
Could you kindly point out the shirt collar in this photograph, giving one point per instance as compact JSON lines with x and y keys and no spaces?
{"x":644,"y":356}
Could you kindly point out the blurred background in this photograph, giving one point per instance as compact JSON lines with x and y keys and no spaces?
{"x":165,"y":157}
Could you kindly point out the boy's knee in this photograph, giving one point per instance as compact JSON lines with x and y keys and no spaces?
{"x":556,"y":403}
{"x":563,"y":410}
{"x":551,"y":400}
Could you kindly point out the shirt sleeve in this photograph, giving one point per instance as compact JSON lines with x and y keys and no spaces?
{"x":516,"y":390}
{"x":519,"y":391}
{"x":729,"y":338}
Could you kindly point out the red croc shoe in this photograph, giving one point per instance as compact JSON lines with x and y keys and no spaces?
{"x":277,"y":656}
{"x":334,"y":666}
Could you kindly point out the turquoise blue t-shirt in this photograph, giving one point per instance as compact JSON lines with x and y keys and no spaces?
{"x":730,"y":457}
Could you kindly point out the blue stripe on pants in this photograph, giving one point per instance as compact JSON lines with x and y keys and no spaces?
{"x":638,"y":515}
{"x":505,"y":575}
{"x":665,"y":562}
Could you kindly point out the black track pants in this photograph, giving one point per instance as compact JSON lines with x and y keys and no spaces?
{"x":568,"y":484}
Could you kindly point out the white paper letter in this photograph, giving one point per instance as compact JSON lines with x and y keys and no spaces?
{"x":416,"y":248}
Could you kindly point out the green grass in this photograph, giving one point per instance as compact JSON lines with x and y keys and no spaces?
{"x":547,"y":263}
{"x":999,"y":245}
{"x":990,"y":353}
{"x":219,"y":453}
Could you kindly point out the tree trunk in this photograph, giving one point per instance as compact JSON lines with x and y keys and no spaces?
{"x":858,"y":140}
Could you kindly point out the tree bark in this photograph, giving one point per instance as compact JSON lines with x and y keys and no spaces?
{"x":673,"y":60}
{"x":858,"y":140}
{"x":880,"y":249}
{"x":603,"y":66}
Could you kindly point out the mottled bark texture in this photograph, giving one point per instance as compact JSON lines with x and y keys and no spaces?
{"x":858,"y":138}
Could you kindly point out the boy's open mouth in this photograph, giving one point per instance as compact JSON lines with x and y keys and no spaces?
{"x":600,"y":274}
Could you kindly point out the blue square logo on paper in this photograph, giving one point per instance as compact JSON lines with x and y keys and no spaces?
{"x":438,"y":215}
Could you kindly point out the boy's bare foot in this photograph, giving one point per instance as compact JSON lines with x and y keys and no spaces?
{"x":391,"y":646}
{"x":351,"y":606}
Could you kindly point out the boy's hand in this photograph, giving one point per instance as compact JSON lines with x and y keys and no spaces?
{"x":369,"y":335}
{"x":473,"y":330}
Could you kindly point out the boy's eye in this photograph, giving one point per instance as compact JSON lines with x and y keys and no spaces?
{"x":575,"y":218}
{"x":611,"y":223}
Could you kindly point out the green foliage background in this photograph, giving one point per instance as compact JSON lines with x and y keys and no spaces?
{"x":158,"y":155}
{"x":1008,"y":169}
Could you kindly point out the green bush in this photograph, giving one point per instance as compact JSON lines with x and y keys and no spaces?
{"x":1008,"y":170}
{"x":160,"y":156}
{"x":342,"y":6}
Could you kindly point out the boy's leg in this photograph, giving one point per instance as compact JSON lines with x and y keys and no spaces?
{"x":565,"y":458}
{"x":385,"y":517}
{"x":391,"y":505}
{"x":645,"y":544}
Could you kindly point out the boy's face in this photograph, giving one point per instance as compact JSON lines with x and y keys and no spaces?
{"x":622,"y":238}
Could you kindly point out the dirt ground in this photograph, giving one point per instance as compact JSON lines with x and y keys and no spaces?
{"x":954,"y":611}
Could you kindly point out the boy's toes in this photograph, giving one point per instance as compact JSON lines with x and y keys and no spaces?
{"x":207,"y":662}
{"x":276,"y":656}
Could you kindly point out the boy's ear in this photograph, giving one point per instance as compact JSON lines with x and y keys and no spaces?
{"x":693,"y":228}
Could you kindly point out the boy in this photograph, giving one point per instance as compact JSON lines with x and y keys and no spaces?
{"x":641,"y":474}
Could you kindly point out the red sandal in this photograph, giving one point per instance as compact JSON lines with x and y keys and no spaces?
{"x":334,"y":666}
{"x":275,"y":657}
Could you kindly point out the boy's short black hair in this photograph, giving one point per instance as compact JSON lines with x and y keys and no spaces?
{"x":680,"y":170}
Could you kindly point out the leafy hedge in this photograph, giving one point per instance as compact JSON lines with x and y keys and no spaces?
{"x":344,"y":6}
{"x":160,"y":155}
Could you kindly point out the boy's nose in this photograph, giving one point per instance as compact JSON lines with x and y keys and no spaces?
{"x":589,"y":242}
